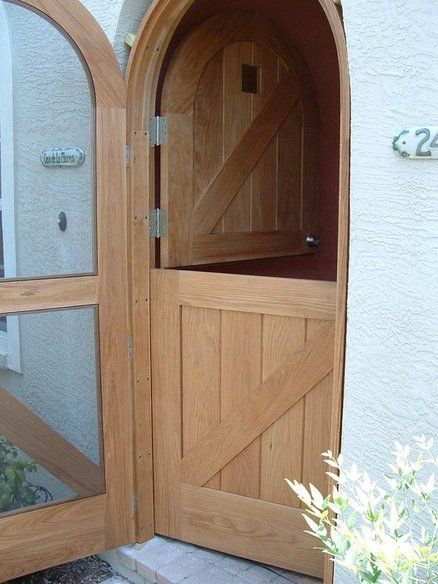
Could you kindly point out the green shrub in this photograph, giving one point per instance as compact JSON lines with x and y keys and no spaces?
{"x":16,"y":491}
{"x":380,"y":535}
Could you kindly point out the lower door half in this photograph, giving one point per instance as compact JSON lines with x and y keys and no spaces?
{"x":242,"y":388}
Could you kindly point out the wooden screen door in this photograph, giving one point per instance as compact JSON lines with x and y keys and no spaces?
{"x":65,"y":404}
{"x":242,"y":365}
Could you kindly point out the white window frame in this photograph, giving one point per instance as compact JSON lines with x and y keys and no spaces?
{"x":10,"y":357}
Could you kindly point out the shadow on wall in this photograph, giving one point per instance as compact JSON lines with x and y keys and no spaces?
{"x":131,"y":15}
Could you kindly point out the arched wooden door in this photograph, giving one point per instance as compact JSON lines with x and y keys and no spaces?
{"x":66,"y":476}
{"x":242,"y":366}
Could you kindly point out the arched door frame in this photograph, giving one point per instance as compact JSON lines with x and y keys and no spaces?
{"x":143,"y":75}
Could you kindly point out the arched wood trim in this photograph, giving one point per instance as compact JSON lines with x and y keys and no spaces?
{"x":143,"y":74}
{"x":48,"y":536}
{"x":189,"y":64}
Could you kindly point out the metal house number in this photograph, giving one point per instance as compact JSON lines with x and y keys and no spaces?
{"x":417,"y":143}
{"x":63,"y":157}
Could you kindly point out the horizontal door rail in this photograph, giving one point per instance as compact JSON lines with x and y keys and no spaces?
{"x":45,"y":446}
{"x":259,"y":295}
{"x":29,"y":295}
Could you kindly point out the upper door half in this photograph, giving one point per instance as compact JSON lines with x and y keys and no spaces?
{"x":240,"y":168}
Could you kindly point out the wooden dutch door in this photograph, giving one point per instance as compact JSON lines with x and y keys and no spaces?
{"x":242,"y":365}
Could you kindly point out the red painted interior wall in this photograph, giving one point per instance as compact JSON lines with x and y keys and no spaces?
{"x":305,"y":22}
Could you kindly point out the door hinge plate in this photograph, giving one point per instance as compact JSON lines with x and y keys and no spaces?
{"x":130,"y":347}
{"x":157,"y":131}
{"x":157,"y":223}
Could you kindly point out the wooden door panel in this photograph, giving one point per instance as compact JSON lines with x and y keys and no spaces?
{"x":201,"y":376}
{"x":242,"y":188}
{"x":282,"y":336}
{"x":237,"y":120}
{"x":242,"y":372}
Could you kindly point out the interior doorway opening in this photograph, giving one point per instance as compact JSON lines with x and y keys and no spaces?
{"x":302,"y":177}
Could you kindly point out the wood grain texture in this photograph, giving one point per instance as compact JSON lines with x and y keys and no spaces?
{"x":317,"y":423}
{"x":68,"y":531}
{"x":241,"y":338}
{"x":177,"y":190}
{"x":201,"y":376}
{"x":250,"y":168}
{"x":29,"y":295}
{"x":237,"y":106}
{"x":216,"y":248}
{"x":261,"y":531}
{"x":48,"y":448}
{"x":301,"y":371}
{"x":264,"y":188}
{"x":153,"y":39}
{"x":282,"y":443}
{"x":139,"y":242}
{"x":114,"y":323}
{"x":166,"y":369}
{"x":261,"y":295}
{"x":245,"y":155}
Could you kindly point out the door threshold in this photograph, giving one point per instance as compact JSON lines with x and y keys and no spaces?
{"x":167,"y":561}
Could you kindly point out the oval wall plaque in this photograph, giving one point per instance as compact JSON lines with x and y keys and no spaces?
{"x":418,"y":143}
{"x":60,"y":157}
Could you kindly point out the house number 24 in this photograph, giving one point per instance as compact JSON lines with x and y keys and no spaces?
{"x":420,"y":143}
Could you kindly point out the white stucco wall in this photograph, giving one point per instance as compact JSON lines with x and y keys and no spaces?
{"x":391,"y":390}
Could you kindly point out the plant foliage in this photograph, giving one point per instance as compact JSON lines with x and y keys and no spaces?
{"x":16,"y":491}
{"x":381,"y":535}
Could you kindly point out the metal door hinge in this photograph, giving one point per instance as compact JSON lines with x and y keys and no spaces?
{"x":134,"y":501}
{"x":157,"y":223}
{"x":130,"y":347}
{"x":128,"y":155}
{"x":157,"y":131}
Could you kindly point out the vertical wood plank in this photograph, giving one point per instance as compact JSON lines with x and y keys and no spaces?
{"x":310,"y":145}
{"x":282,"y":443}
{"x":208,"y":116}
{"x":317,"y":421}
{"x":201,"y":376}
{"x":241,"y":372}
{"x":177,"y":190}
{"x":290,"y":173}
{"x":264,"y":176}
{"x":237,"y":120}
{"x":139,"y":246}
{"x":166,"y":398}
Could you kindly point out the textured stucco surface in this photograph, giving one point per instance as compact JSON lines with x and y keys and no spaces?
{"x":392,"y":350}
{"x":118,"y":17}
{"x":53,"y":107}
